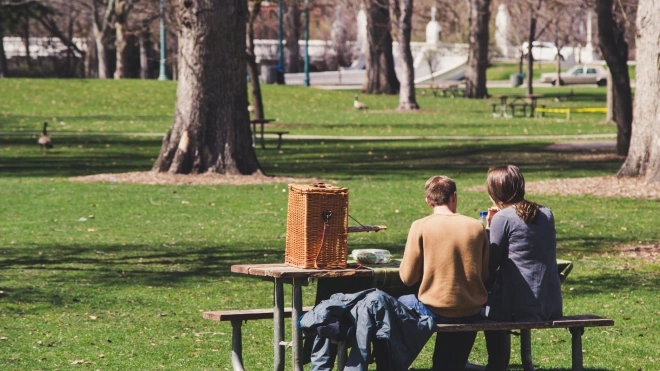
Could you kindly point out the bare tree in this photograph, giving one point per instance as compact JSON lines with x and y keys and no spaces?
{"x":102,"y":12}
{"x":211,"y":131}
{"x":381,"y":77}
{"x":644,"y":154}
{"x":254,"y":8}
{"x":292,"y":26}
{"x":613,"y":46}
{"x":122,"y":10}
{"x":401,"y":16}
{"x":475,"y":75}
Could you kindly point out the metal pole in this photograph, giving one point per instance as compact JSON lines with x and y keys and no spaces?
{"x":162,"y":74}
{"x":280,"y":33}
{"x":306,"y":81}
{"x":278,"y":316}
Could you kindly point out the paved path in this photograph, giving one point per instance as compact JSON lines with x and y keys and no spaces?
{"x":339,"y":137}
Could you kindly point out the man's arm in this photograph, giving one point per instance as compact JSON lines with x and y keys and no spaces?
{"x":412,"y":265}
{"x":485,"y":254}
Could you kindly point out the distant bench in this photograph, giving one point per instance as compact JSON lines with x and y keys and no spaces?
{"x":262,"y":122}
{"x":575,"y":324}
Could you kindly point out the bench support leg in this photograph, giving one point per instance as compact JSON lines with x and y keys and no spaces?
{"x":236,"y":345}
{"x":576,"y":342}
{"x":296,"y":312}
{"x":278,"y":316}
{"x":279,"y":141}
{"x":526,"y":350}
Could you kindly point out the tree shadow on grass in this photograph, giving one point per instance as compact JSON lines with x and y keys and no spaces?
{"x":108,"y":266}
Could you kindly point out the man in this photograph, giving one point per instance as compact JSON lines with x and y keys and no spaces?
{"x":447,"y":256}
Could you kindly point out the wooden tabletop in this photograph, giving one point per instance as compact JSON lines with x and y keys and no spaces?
{"x":287,"y":271}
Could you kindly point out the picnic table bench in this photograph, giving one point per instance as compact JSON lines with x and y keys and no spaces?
{"x":448,"y":89}
{"x":540,"y":112}
{"x":262,"y":123}
{"x":282,"y":273}
{"x":516,"y":101}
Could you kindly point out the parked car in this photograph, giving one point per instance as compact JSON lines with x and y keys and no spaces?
{"x":544,"y":51}
{"x":580,"y":74}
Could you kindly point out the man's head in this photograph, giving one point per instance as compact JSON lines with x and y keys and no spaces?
{"x":440,"y":190}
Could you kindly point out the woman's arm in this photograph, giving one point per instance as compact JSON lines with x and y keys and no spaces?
{"x":499,"y":243}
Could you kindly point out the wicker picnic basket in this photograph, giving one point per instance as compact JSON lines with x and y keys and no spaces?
{"x":317,"y":226}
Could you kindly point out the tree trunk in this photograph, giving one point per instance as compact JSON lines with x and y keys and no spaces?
{"x":3,"y":55}
{"x":530,"y":56}
{"x":211,"y":131}
{"x":381,"y":77}
{"x":101,"y":56}
{"x":644,"y":154}
{"x":613,"y":46}
{"x":121,"y":44}
{"x":257,"y":101}
{"x":144,"y":57}
{"x":558,"y":65}
{"x":401,"y":15}
{"x":26,"y":35}
{"x":292,"y":27}
{"x":475,"y":75}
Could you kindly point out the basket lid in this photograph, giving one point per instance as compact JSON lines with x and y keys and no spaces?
{"x":317,"y":188}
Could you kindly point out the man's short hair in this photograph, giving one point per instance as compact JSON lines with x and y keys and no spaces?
{"x":438,"y":189}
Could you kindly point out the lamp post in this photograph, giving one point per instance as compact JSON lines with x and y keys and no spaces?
{"x":280,"y":33}
{"x":306,"y":80}
{"x":162,"y":74}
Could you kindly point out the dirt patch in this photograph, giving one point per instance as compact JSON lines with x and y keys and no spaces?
{"x":647,"y":252}
{"x":606,"y":186}
{"x":149,"y":177}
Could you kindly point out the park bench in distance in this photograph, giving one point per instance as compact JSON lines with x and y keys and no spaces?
{"x":575,"y":324}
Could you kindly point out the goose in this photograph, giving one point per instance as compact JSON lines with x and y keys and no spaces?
{"x":359,"y":105}
{"x":250,"y":109}
{"x":44,"y":140}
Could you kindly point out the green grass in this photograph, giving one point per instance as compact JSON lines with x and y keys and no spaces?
{"x":123,"y":290}
{"x":73,"y":106}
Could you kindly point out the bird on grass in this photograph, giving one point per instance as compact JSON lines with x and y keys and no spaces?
{"x":44,"y":140}
{"x":359,"y":105}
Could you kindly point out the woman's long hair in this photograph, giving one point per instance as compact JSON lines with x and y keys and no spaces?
{"x":506,"y":186}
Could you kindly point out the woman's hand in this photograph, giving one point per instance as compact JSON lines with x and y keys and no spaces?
{"x":491,"y":213}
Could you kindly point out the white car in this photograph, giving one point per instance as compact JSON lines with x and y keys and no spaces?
{"x":544,"y":51}
{"x":580,"y":74}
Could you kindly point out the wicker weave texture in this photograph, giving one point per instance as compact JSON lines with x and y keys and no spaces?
{"x":306,"y":245}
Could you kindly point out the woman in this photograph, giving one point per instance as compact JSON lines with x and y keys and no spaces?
{"x":523,"y":247}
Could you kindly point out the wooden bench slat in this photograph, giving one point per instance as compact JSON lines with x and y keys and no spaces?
{"x":246,"y":314}
{"x":588,"y":320}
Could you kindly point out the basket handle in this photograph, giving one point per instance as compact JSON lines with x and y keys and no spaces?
{"x":326,"y":216}
{"x":321,"y":185}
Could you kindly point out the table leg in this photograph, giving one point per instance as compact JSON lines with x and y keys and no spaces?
{"x":576,"y":346}
{"x":278,"y":317}
{"x":263,"y":145}
{"x":236,"y":345}
{"x":296,"y":312}
{"x":254,"y":134}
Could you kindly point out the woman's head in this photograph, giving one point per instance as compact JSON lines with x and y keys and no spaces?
{"x":506,"y":186}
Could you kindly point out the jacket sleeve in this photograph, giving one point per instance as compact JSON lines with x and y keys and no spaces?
{"x":499,"y":243}
{"x":412,"y":265}
{"x":485,"y":274}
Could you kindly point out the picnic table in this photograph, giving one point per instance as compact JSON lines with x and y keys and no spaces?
{"x":354,"y":277}
{"x":262,"y":123}
{"x":280,"y":274}
{"x":512,"y":101}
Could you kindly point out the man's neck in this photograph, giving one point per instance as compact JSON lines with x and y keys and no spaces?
{"x":442,"y":209}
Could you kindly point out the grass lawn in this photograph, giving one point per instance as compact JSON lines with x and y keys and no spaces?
{"x":114,"y":276}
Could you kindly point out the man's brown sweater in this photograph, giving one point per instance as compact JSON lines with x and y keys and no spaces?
{"x":448,"y":254}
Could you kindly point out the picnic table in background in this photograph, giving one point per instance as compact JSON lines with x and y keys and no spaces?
{"x":446,"y":88}
{"x":263,"y":122}
{"x":516,"y":100}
